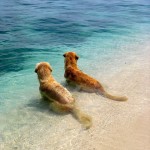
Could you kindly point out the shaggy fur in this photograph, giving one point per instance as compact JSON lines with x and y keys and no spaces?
{"x":76,"y":77}
{"x":60,"y":98}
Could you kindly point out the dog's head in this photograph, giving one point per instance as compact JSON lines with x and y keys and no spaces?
{"x":43,"y":66}
{"x":71,"y":56}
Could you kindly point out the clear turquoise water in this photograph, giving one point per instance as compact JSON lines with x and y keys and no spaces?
{"x":34,"y":31}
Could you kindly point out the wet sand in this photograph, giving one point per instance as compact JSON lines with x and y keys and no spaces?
{"x":116,"y":125}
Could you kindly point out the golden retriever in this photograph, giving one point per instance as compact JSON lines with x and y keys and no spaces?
{"x":76,"y":77}
{"x":60,"y":98}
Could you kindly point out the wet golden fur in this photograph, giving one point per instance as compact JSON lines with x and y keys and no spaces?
{"x":60,"y":98}
{"x":76,"y":77}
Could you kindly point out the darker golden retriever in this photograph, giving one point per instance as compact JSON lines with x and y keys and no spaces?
{"x":75,"y":76}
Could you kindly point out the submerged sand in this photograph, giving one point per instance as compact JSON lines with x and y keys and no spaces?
{"x":116,"y":125}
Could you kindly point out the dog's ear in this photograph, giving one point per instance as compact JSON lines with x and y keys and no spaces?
{"x":77,"y":57}
{"x":64,"y":55}
{"x":50,"y":68}
{"x":35,"y":70}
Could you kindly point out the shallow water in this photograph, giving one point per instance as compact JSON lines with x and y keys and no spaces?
{"x":106,"y":35}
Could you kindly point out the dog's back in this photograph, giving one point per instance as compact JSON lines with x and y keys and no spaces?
{"x":84,"y":81}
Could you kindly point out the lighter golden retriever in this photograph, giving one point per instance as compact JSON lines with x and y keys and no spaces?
{"x":60,"y":98}
{"x":76,"y":77}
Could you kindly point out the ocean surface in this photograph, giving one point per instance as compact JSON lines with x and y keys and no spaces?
{"x":103,"y":33}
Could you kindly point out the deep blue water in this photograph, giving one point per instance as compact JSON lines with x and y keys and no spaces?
{"x":29,"y":28}
{"x":42,"y":30}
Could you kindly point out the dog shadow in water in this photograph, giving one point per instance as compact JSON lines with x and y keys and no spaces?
{"x":42,"y":105}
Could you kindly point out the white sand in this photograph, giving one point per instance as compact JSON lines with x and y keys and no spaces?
{"x":116,"y":125}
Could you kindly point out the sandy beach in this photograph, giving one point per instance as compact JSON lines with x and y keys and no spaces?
{"x":116,"y":125}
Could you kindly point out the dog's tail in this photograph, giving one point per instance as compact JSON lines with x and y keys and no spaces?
{"x":116,"y":98}
{"x":83,"y":118}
